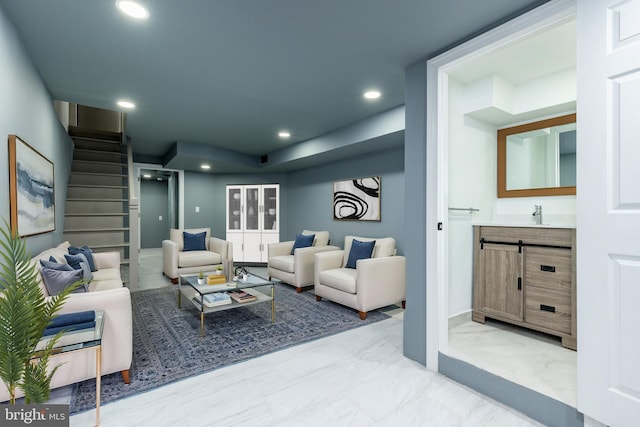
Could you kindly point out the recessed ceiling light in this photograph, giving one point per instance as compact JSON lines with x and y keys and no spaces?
{"x":372,"y":94}
{"x":133,"y":9}
{"x":146,"y":175}
{"x":284,"y":134}
{"x":126,"y":104}
{"x":205,"y":166}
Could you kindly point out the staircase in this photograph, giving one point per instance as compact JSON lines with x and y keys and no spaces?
{"x":97,"y":208}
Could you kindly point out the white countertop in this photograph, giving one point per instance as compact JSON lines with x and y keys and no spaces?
{"x":530,"y":225}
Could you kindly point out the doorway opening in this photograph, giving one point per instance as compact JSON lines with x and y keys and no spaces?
{"x":498,"y":82}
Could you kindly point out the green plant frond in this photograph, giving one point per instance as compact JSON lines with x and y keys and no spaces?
{"x":24,"y":314}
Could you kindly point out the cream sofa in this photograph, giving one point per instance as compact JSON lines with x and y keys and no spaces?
{"x":175,"y":261}
{"x":106,"y":293}
{"x":375,"y":282}
{"x":296,"y":269}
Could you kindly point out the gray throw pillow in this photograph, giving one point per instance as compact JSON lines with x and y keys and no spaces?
{"x":87,"y":276}
{"x":55,"y":265}
{"x":56,"y":280}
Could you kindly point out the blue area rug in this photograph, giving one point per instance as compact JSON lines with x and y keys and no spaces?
{"x":167,"y":346}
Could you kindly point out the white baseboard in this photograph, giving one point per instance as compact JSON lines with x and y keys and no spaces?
{"x":459,"y":319}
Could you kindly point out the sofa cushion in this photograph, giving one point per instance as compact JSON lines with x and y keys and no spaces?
{"x":84,"y":250}
{"x":343,"y":279}
{"x":359,"y":250}
{"x":282,"y":263}
{"x":56,"y":280}
{"x":198,"y":258}
{"x":302,"y":241}
{"x":194,"y":241}
{"x":104,"y":279}
{"x":176,"y":235}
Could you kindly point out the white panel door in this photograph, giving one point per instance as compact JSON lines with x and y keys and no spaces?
{"x":608,"y":211}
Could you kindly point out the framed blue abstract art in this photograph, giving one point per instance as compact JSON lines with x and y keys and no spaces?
{"x":357,"y":199}
{"x":31,"y":192}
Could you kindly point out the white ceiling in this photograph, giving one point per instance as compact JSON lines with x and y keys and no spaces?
{"x":530,"y":58}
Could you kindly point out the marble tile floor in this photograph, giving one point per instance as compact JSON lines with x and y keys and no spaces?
{"x":356,"y":378}
{"x":531,"y":359}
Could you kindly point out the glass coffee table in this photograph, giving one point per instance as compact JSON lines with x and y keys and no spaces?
{"x":262,"y":289}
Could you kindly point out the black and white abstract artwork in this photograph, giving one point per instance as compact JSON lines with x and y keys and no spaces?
{"x":357,"y":199}
{"x":31,"y":189}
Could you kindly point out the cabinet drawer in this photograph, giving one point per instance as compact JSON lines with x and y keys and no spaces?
{"x":548,"y":268}
{"x":549,"y":308}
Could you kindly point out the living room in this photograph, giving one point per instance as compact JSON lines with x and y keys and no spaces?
{"x":27,"y":110}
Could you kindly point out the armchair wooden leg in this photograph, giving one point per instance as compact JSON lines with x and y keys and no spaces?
{"x":125,"y":376}
{"x":404,"y":304}
{"x":298,"y":290}
{"x":174,"y":281}
{"x":363,"y":315}
{"x":318,"y":297}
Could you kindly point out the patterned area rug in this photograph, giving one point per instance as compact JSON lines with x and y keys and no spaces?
{"x":167,"y":346}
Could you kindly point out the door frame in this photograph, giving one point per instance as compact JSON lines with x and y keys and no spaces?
{"x":437,"y":263}
{"x":151,"y":166}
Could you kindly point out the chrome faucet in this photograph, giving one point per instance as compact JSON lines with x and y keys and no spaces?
{"x":538,"y":214}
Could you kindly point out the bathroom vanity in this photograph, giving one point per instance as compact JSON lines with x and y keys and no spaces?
{"x":526,"y":275}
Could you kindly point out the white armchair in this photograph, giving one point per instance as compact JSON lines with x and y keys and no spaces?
{"x":375,"y":282}
{"x":296,"y":269}
{"x":176,"y":261}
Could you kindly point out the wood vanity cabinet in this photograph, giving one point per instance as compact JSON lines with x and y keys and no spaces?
{"x":526,"y":276}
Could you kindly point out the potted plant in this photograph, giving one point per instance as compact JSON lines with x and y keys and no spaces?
{"x":241,"y":273}
{"x":24,"y":314}
{"x":201,"y":278}
{"x":219,"y":269}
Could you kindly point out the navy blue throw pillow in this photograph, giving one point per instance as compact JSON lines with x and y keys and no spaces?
{"x":359,"y":250}
{"x":194,"y":241}
{"x":84,"y":250}
{"x":303,"y":241}
{"x":75,"y":260}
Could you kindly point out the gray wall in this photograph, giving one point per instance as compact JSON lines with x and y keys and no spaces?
{"x":415,"y":332}
{"x":306,"y":198}
{"x":208,"y":192}
{"x":310,"y":198}
{"x":154,"y":203}
{"x":26,"y":109}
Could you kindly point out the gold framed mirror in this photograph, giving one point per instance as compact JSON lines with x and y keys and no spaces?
{"x":538,"y":158}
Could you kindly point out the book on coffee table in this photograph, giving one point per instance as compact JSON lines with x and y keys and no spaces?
{"x":242,"y":296}
{"x":214,"y":300}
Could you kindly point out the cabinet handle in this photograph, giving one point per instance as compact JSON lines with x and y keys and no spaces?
{"x":519,"y":283}
{"x":549,"y":308}
{"x":549,"y":268}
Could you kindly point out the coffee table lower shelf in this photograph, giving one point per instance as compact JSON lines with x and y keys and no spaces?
{"x":189,"y":293}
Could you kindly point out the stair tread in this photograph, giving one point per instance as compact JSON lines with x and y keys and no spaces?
{"x":124,"y":175}
{"x":96,"y":135}
{"x":99,"y":162}
{"x":96,"y":214}
{"x":115,"y":245}
{"x":97,"y":186}
{"x":88,"y":150}
{"x":86,"y":230}
{"x":75,"y":199}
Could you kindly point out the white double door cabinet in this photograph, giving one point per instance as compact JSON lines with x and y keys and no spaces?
{"x":253,"y":220}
